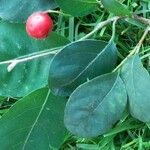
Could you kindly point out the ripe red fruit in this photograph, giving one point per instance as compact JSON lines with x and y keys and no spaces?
{"x":39,"y":24}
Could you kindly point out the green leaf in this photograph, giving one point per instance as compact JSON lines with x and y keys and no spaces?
{"x":20,"y":10}
{"x":87,"y":146}
{"x":116,"y":8}
{"x":80,"y":61}
{"x":28,"y":76}
{"x":95,"y":106}
{"x":137,"y":81}
{"x":2,"y":99}
{"x":77,"y":7}
{"x":34,"y":123}
{"x":136,"y":23}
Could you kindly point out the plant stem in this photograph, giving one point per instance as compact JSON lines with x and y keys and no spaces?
{"x":47,"y":51}
{"x":142,"y":19}
{"x":99,"y":26}
{"x":57,"y":12}
{"x":14,"y":62}
{"x":135,"y":50}
{"x":114,"y":28}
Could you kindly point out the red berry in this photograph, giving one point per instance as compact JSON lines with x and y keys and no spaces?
{"x":39,"y":24}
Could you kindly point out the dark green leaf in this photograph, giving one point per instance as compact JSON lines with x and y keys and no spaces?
{"x":78,"y":62}
{"x":34,"y":123}
{"x":29,"y":76}
{"x":77,"y":7}
{"x":20,"y":10}
{"x":137,"y":81}
{"x":96,"y":105}
{"x":116,"y":8}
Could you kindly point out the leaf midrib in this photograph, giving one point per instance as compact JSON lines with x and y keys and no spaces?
{"x":36,"y":120}
{"x":87,"y":66}
{"x":108,"y":92}
{"x":132,"y":73}
{"x":85,"y":118}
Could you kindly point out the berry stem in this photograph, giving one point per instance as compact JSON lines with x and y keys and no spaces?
{"x":57,"y":12}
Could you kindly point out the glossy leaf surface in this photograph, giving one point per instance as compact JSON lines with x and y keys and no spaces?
{"x":34,"y":123}
{"x":95,"y":106}
{"x":27,"y":76}
{"x":20,"y":10}
{"x":77,"y":7}
{"x":80,"y":61}
{"x":137,"y":81}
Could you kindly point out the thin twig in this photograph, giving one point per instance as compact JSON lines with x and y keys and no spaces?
{"x":14,"y":62}
{"x":57,"y":12}
{"x":99,"y":26}
{"x":114,"y":28}
{"x":142,"y":19}
{"x":135,"y":50}
{"x":52,"y":51}
{"x":138,"y":46}
{"x":17,"y":61}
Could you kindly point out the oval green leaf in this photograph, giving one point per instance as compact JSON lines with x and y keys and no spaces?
{"x":137,"y":81}
{"x":95,"y":106}
{"x":28,"y":76}
{"x":80,"y":61}
{"x":116,"y":8}
{"x":34,"y":123}
{"x":20,"y":10}
{"x":77,"y":7}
